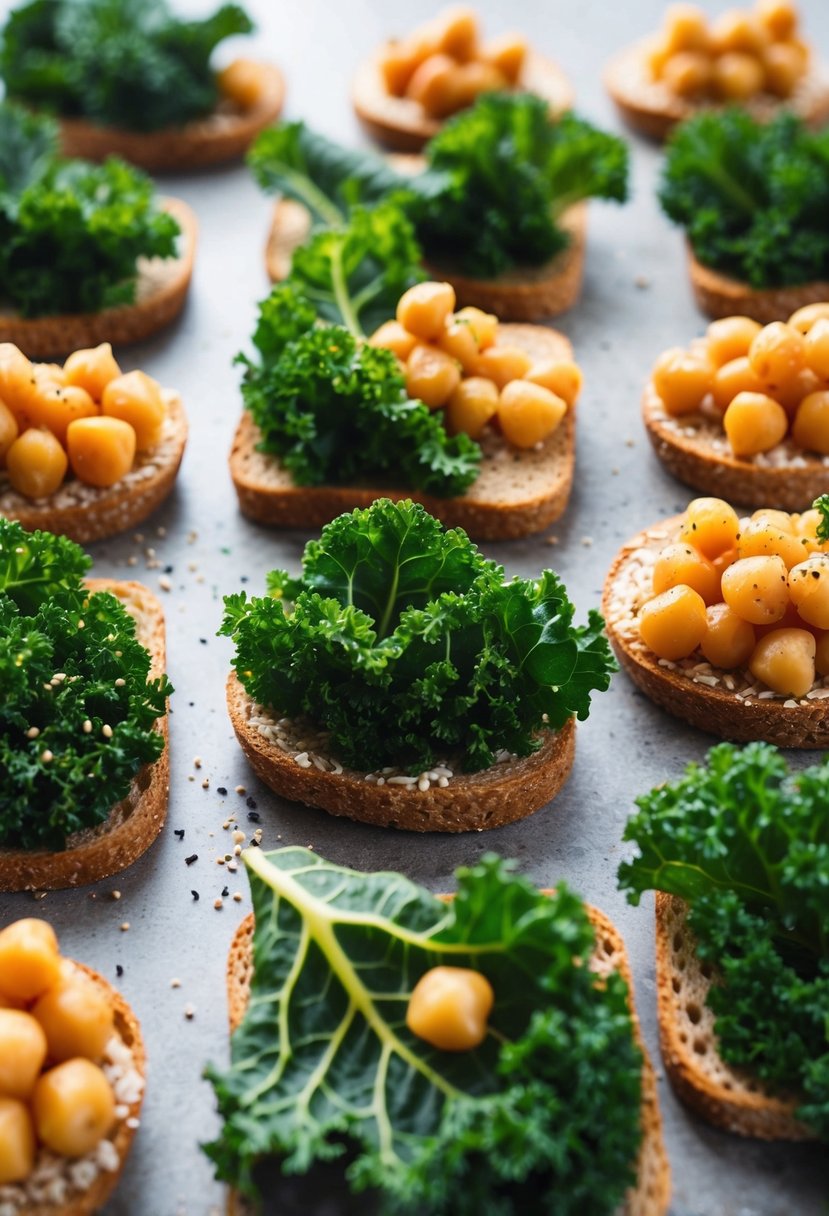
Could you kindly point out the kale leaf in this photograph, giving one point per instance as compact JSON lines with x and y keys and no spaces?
{"x":746,"y":843}
{"x":752,"y":197}
{"x":335,"y":410}
{"x":541,"y":1117}
{"x":822,"y":504}
{"x":408,"y":646}
{"x":136,"y":66}
{"x":67,"y":657}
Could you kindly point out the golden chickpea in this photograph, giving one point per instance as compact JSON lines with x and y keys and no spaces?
{"x":810,"y":429}
{"x":431,"y":376}
{"x":803,"y":319}
{"x":785,"y":661}
{"x":685,"y":28}
{"x":29,"y":958}
{"x":456,"y":32}
{"x":471,"y":406}
{"x":729,"y":640}
{"x":733,"y":378}
{"x":779,"y":17}
{"x":806,"y":526}
{"x":816,"y":348}
{"x":101,"y":450}
{"x":435,"y":86}
{"x":754,"y":423}
{"x":36,"y":464}
{"x":738,"y":76}
{"x":783,"y":67}
{"x":392,"y":336}
{"x":688,"y":73}
{"x":423,"y":309}
{"x":737,"y":31}
{"x":730,"y":338}
{"x":777,"y":355}
{"x":528,"y":413}
{"x":804,"y":384}
{"x":396,"y":66}
{"x":472,"y":79}
{"x":22,"y":1052}
{"x":680,"y":564}
{"x":76,"y":1019}
{"x":449,"y":1008}
{"x":756,"y":588}
{"x":9,"y":430}
{"x":673,"y":624}
{"x":55,"y":406}
{"x":822,"y":655}
{"x":508,"y":54}
{"x":241,"y":83}
{"x":809,"y":590}
{"x":711,"y":526}
{"x":136,"y":398}
{"x":484,"y":325}
{"x":458,"y":341}
{"x":724,"y":560}
{"x":92,"y":370}
{"x":783,"y":520}
{"x":656,"y":54}
{"x":18,"y":1147}
{"x":763,"y":537}
{"x":561,"y":376}
{"x":16,"y":378}
{"x":502,"y":364}
{"x":682,"y":379}
{"x":73,"y":1107}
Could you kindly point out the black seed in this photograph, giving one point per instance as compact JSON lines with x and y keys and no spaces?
{"x":179,"y":832}
{"x":188,"y":861}
{"x":119,"y":970}
{"x":195,"y":895}
{"x":221,"y":791}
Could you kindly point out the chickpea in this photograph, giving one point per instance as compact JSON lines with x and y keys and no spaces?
{"x":508,"y":54}
{"x":458,"y":341}
{"x":763,"y":537}
{"x":423,"y":309}
{"x":561,"y":376}
{"x":785,"y":661}
{"x":822,"y":655}
{"x":431,"y":376}
{"x":136,"y":398}
{"x":729,"y":640}
{"x":777,"y":355}
{"x":803,"y":319}
{"x":783,"y":520}
{"x":723,"y":560}
{"x":55,"y":406}
{"x":673,"y":624}
{"x":101,"y":450}
{"x":22,"y":1052}
{"x":685,"y":28}
{"x":756,"y":588}
{"x":688,"y":73}
{"x":680,"y":564}
{"x":806,"y":527}
{"x":656,"y":55}
{"x":816,"y":348}
{"x":783,"y":67}
{"x":29,"y":958}
{"x":733,"y":378}
{"x":76,"y":1019}
{"x":449,"y":1008}
{"x":18,"y":1147}
{"x":737,"y":31}
{"x":754,"y":423}
{"x":241,"y":83}
{"x":471,"y":406}
{"x":738,"y":76}
{"x":456,"y":33}
{"x":682,"y":380}
{"x":397,"y":65}
{"x":502,"y":364}
{"x":484,"y":325}
{"x":778,"y":17}
{"x":528,"y":413}
{"x":810,"y":429}
{"x":36,"y":464}
{"x":711,"y":526}
{"x":392,"y":336}
{"x":472,"y":79}
{"x":16,"y":377}
{"x":730,"y":338}
{"x":9,"y":430}
{"x":92,"y":370}
{"x":435,"y":86}
{"x":73,"y":1107}
{"x":809,"y":590}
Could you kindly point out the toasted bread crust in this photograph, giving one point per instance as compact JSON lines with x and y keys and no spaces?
{"x":718,"y":295}
{"x":161,"y":290}
{"x":717,"y":711}
{"x":106,"y":512}
{"x":727,"y":1097}
{"x":398,"y":122}
{"x":223,"y":135}
{"x":653,"y":110}
{"x":515,"y":494}
{"x":135,"y":822}
{"x":653,"y":1191}
{"x":693,"y":460}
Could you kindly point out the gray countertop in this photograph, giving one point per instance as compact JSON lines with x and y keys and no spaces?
{"x":636,"y":302}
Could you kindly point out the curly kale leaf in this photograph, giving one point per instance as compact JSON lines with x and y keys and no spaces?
{"x":335,"y":410}
{"x":136,"y":66}
{"x":541,"y":1117}
{"x":37,"y":565}
{"x":752,"y":197}
{"x":408,"y":646}
{"x":822,"y":504}
{"x":746,"y":843}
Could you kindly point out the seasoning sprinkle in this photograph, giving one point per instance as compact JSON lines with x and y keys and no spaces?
{"x":188,"y":861}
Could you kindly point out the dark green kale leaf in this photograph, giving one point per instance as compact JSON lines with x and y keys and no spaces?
{"x":822,"y":504}
{"x":746,"y":843}
{"x":136,"y":66}
{"x":28,"y":146}
{"x":752,"y":197}
{"x":408,"y":646}
{"x":541,"y":1118}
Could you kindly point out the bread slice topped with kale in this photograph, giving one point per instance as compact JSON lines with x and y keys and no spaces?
{"x":137,"y":81}
{"x":84,"y":768}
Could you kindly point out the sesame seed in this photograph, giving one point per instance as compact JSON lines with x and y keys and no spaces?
{"x":164,"y":583}
{"x":218,"y":903}
{"x":115,"y":895}
{"x":87,"y":727}
{"x":46,"y":756}
{"x":33,"y":732}
{"x":238,"y":837}
{"x":240,"y":789}
{"x":125,"y":926}
{"x":119,"y":683}
{"x":175,"y":983}
{"x":237,"y":895}
{"x":189,"y":1012}
{"x":197,"y":762}
{"x":106,"y":730}
{"x":206,"y":783}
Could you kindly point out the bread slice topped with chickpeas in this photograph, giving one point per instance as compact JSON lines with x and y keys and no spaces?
{"x":724,"y":621}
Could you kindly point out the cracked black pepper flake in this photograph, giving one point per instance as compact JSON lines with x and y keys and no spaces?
{"x":225,"y":892}
{"x":195,"y":895}
{"x":168,"y":569}
{"x":254,"y":817}
{"x":119,"y":970}
{"x":188,"y":861}
{"x":221,"y":791}
{"x":251,"y":802}
{"x":203,"y":641}
{"x":179,"y":832}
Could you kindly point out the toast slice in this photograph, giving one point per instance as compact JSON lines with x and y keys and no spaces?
{"x":86,"y":513}
{"x":135,"y":821}
{"x":653,"y":1190}
{"x":652,"y":109}
{"x":403,"y":124}
{"x":517,"y":492}
{"x":695,"y":449}
{"x":291,"y":758}
{"x":161,"y":290}
{"x":223,"y":135}
{"x":727,"y":1097}
{"x":730,"y":705}
{"x":718,"y":295}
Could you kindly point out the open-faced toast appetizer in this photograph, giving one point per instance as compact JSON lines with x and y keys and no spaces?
{"x":84,"y":769}
{"x":418,"y":1003}
{"x":401,"y":680}
{"x":517,"y":251}
{"x":72,"y":1070}
{"x":136,"y":81}
{"x":751,"y":57}
{"x":724,"y":621}
{"x":745,"y":410}
{"x":84,"y":449}
{"x":753,"y":200}
{"x":405,"y":91}
{"x":737,"y":852}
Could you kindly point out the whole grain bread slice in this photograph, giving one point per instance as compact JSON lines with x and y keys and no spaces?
{"x":695,"y":449}
{"x":738,"y":713}
{"x":161,"y":290}
{"x":134,"y":822}
{"x":726,"y":1096}
{"x":651,"y":108}
{"x":224,"y":135}
{"x":399,"y":122}
{"x":718,"y":295}
{"x":86,"y":513}
{"x":473,"y":802}
{"x":517,"y":492}
{"x":651,"y":1195}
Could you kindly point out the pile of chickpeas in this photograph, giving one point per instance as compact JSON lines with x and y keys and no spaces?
{"x":740,"y":54}
{"x":85,"y":416}
{"x":751,"y":593}
{"x":444,"y":67}
{"x":765,"y":382}
{"x":54,"y":1028}
{"x":454,"y":361}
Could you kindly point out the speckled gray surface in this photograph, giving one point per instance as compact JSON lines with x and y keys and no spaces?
{"x":635,"y":303}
